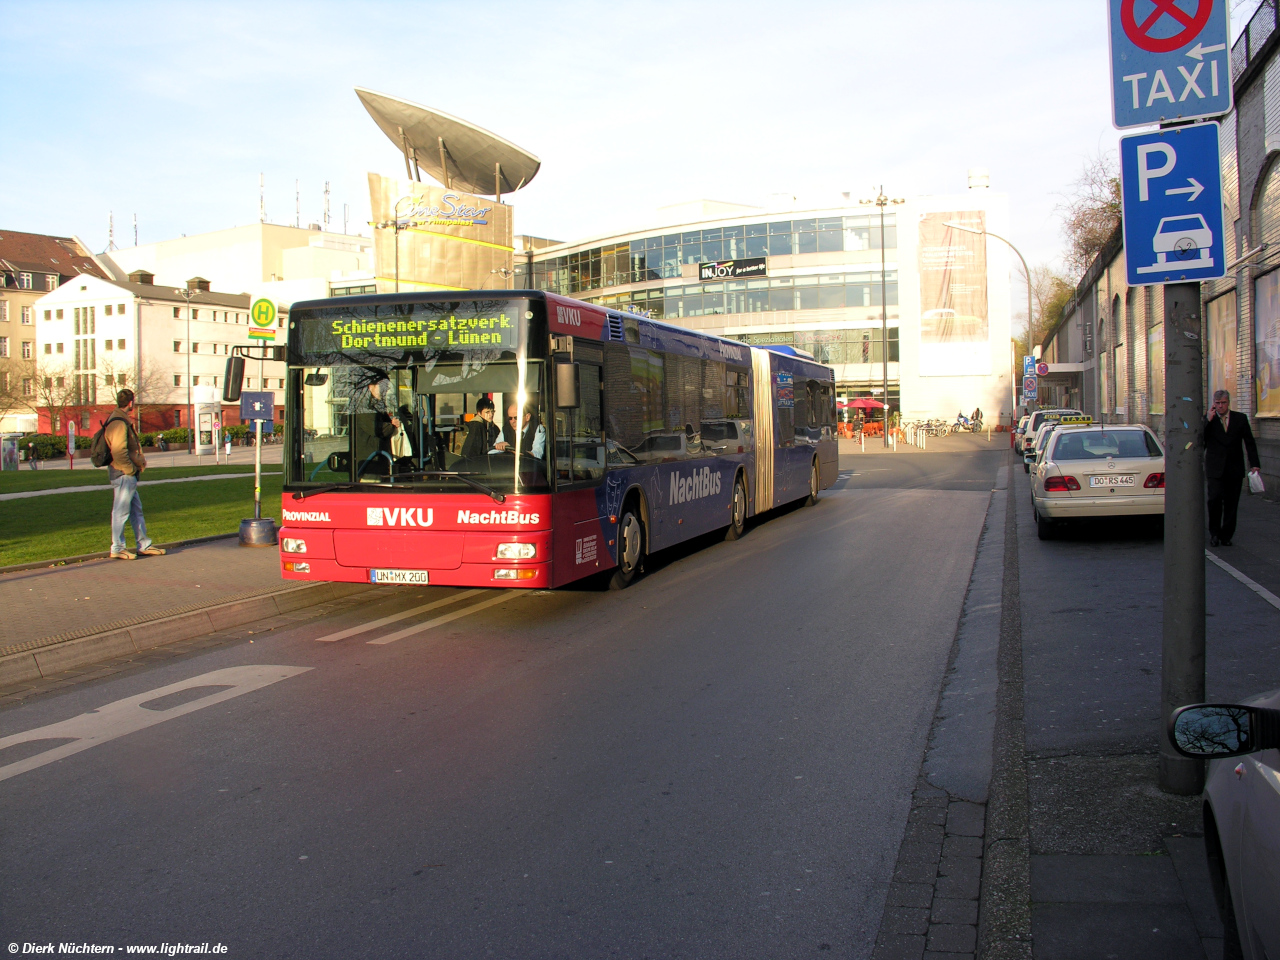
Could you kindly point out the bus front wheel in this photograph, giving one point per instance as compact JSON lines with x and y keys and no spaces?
{"x":630,"y":548}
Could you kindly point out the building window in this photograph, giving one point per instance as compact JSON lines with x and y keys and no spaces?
{"x":60,"y":350}
{"x":48,"y":348}
{"x":195,"y":348}
{"x":27,"y":315}
{"x":50,"y":281}
{"x":119,"y":344}
{"x":4,"y":381}
{"x":61,"y":383}
{"x":195,"y":314}
{"x":4,"y":346}
{"x":177,"y":379}
{"x":176,"y":314}
{"x":28,"y":388}
{"x":109,"y":380}
{"x":48,"y":383}
{"x":57,"y":314}
{"x":28,"y":349}
{"x":106,"y":311}
{"x":24,"y":281}
{"x":121,"y":379}
{"x":106,"y":344}
{"x":177,"y":418}
{"x":4,"y":311}
{"x":177,"y":346}
{"x":120,"y":309}
{"x":55,"y":422}
{"x":48,"y":314}
{"x":195,"y":381}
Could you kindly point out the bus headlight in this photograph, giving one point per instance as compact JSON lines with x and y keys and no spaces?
{"x":291,"y":545}
{"x":525,"y":574}
{"x":517,"y":551}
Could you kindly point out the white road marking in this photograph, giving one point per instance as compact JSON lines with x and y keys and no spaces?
{"x":374,"y":624}
{"x":419,"y":627}
{"x":1257,"y":588}
{"x":128,"y":716}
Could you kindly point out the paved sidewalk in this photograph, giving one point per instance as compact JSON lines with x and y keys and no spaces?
{"x":55,"y":601}
{"x":1255,"y":549}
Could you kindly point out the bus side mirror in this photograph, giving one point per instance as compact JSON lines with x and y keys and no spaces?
{"x":233,"y":382}
{"x":567,"y":393}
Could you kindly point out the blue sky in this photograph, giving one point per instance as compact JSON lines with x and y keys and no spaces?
{"x":171,"y":110}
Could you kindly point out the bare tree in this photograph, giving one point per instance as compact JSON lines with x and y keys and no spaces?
{"x":12,"y":399}
{"x":1090,"y":211}
{"x":1050,"y":294}
{"x":55,"y":391}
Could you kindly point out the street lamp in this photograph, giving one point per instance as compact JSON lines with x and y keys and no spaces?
{"x":187,"y":294}
{"x":1013,"y":383}
{"x":882,"y":201}
{"x":397,"y":224}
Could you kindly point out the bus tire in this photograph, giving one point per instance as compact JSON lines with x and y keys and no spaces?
{"x":631,"y":546}
{"x":814,"y":486}
{"x":737,"y":510}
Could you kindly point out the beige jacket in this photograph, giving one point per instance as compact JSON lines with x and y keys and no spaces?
{"x":126,"y":449}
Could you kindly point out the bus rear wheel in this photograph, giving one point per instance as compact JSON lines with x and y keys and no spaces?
{"x":813,"y":486}
{"x":737,"y":511}
{"x":630,"y":548}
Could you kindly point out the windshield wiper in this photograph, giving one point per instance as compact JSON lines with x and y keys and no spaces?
{"x":465,"y":478}
{"x":303,"y":494}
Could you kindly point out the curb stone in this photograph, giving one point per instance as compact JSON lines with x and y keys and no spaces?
{"x":41,"y":658}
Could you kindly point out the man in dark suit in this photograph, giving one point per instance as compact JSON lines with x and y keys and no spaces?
{"x":1226,"y":438}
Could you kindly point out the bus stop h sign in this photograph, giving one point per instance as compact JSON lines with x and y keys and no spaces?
{"x":1171,"y":192}
{"x":1170,"y":60}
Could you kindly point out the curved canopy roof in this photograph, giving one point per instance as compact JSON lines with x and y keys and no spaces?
{"x":458,"y":154}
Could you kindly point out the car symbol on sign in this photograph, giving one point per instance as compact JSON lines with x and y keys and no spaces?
{"x":1185,"y":237}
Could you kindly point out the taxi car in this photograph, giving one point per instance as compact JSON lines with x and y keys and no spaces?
{"x":1035,"y":446}
{"x":1020,"y":432}
{"x":1089,"y":470}
{"x":1241,"y":814}
{"x":1037,"y":420}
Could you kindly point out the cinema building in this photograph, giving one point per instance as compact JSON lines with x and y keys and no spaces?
{"x":812,"y":279}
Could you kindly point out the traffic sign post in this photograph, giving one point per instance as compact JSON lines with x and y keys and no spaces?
{"x":1029,"y":388}
{"x":1042,"y":369}
{"x":1171,"y":193}
{"x":256,"y":407}
{"x":1028,"y":366}
{"x":1170,"y":60}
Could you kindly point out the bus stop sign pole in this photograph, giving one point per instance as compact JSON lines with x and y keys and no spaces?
{"x":257,"y":407}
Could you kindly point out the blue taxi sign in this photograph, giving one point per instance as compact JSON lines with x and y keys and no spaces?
{"x":1171,"y":195}
{"x":1170,"y":60}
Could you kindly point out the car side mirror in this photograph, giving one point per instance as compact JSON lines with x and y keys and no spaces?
{"x":1209,"y":730}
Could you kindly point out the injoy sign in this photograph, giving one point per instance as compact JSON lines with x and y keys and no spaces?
{"x":1169,"y":60}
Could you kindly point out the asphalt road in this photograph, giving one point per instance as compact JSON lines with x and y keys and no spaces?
{"x":715,"y":763}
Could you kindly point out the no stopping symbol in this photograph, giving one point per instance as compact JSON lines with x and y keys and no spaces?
{"x":1161,"y":15}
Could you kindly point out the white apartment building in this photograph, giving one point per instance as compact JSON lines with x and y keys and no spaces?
{"x":168,"y":344}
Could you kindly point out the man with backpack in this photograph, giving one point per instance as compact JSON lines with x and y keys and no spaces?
{"x":118,"y":447}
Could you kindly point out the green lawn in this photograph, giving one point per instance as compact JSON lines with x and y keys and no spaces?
{"x":66,"y":525}
{"x":87,"y":475}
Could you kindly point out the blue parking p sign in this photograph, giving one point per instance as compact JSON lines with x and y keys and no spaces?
{"x":1171,"y":186}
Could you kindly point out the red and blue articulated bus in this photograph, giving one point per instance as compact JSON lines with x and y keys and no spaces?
{"x":612,"y":436}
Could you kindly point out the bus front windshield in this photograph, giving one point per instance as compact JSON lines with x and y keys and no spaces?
{"x":444,"y":420}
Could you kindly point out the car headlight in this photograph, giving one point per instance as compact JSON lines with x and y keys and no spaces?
{"x":292,"y":545}
{"x":517,"y":551}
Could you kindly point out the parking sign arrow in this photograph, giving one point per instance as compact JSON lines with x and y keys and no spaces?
{"x":1194,"y":190}
{"x":1199,"y":50}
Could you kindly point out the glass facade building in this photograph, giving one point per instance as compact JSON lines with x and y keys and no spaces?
{"x":819,"y":287}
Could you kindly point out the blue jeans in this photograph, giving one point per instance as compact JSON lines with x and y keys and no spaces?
{"x":127,"y":505}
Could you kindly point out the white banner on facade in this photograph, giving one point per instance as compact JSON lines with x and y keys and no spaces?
{"x":954,"y":330}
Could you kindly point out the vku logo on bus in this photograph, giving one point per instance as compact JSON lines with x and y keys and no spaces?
{"x":569,"y":315}
{"x":699,"y":484}
{"x":397,"y":517}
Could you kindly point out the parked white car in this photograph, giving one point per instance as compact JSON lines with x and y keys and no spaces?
{"x":1241,"y":814}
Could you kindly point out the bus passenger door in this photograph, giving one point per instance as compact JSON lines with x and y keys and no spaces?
{"x":580,"y":544}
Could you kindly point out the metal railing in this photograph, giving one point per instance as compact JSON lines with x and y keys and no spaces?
{"x":1256,"y":33}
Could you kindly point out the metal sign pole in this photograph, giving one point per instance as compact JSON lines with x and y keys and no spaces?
{"x":257,"y":473}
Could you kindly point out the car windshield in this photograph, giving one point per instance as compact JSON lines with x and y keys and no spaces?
{"x":1106,"y":444}
{"x":423,"y":424}
{"x":1175,"y":224}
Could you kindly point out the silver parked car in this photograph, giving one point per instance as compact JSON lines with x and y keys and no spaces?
{"x":1241,"y":814}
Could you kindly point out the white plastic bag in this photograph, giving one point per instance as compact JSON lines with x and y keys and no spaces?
{"x":1255,"y":483}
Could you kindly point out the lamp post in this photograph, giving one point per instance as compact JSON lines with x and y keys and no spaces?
{"x":187,"y":295}
{"x":1013,"y":395}
{"x":397,"y":224}
{"x":882,"y":201}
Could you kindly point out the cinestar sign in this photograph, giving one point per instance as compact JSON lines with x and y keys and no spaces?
{"x":733,"y":269}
